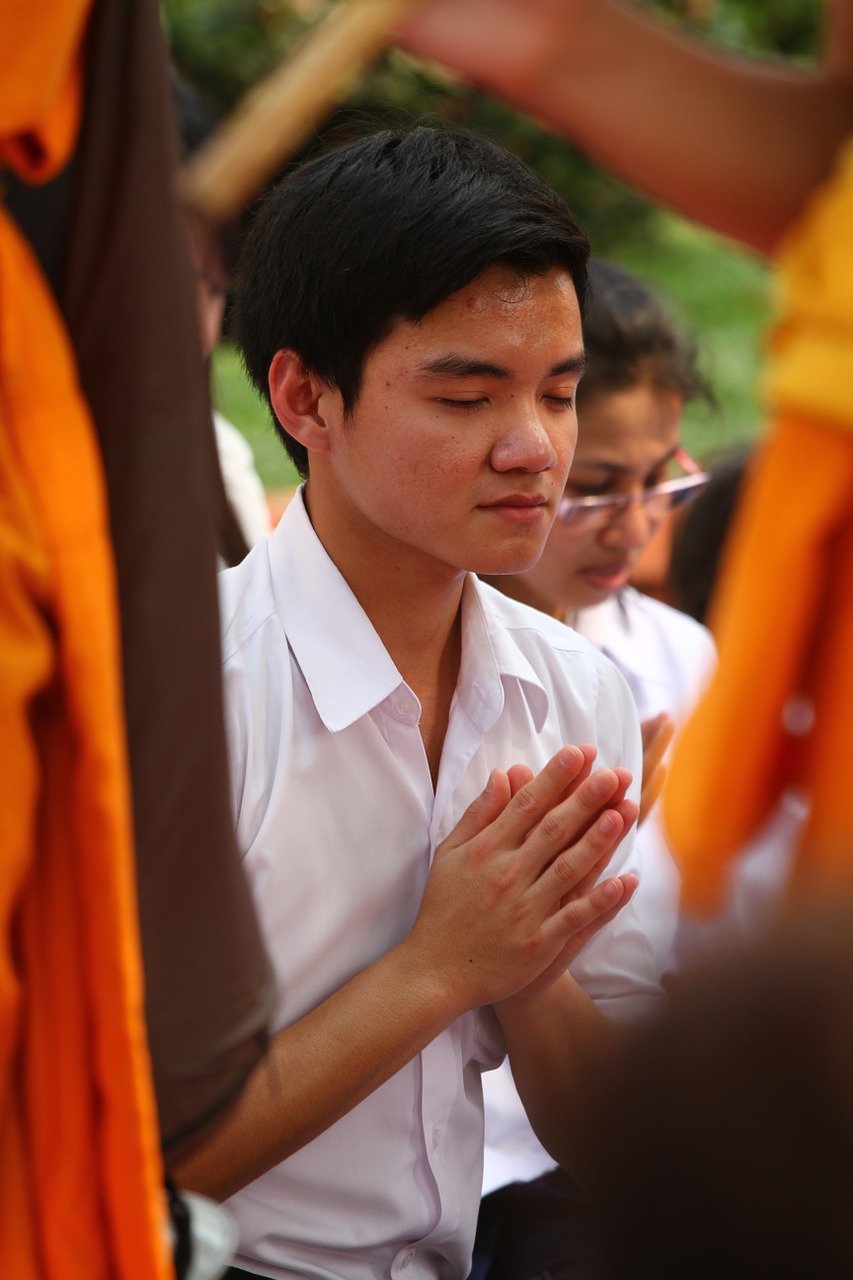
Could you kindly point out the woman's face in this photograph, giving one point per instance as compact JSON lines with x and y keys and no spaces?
{"x":626,"y":442}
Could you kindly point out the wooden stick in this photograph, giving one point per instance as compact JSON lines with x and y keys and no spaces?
{"x":277,"y":114}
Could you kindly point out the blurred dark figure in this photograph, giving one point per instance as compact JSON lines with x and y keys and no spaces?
{"x":115,"y":247}
{"x":722,"y":1141}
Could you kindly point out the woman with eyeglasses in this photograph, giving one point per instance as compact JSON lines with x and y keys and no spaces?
{"x":629,"y":471}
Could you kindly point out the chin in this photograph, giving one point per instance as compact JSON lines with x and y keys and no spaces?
{"x":503,"y":570}
{"x":588,"y":597}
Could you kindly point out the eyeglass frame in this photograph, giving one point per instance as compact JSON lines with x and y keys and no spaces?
{"x":682,"y":490}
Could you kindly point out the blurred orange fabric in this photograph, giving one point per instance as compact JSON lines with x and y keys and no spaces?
{"x":80,"y":1173}
{"x":783,"y":612}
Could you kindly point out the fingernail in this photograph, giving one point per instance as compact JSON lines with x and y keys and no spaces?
{"x":490,"y":785}
{"x":602,"y":784}
{"x":608,"y":823}
{"x":568,"y":757}
{"x":611,"y":890}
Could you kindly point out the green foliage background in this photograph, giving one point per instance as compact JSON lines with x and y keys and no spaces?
{"x":224,"y":46}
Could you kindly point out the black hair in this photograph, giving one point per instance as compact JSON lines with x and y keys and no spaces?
{"x":383,"y":229}
{"x":701,"y":532}
{"x":629,"y":339}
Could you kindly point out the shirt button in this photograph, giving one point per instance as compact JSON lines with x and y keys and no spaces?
{"x":436,"y":1138}
{"x":408,"y":1258}
{"x":404,"y":707}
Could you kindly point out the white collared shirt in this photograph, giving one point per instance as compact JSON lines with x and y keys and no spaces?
{"x":338,"y":820}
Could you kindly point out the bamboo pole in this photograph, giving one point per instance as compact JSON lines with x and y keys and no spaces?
{"x":277,"y":114}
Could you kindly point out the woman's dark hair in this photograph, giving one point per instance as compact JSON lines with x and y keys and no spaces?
{"x":701,"y":532}
{"x":383,"y":229}
{"x":629,"y":339}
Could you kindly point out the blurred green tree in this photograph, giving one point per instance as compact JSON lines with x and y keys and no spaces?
{"x":225,"y":46}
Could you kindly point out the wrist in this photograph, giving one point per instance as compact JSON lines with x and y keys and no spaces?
{"x":428,"y":983}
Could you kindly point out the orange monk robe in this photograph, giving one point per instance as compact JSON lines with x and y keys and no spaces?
{"x":80,"y":1175}
{"x":783,"y":614}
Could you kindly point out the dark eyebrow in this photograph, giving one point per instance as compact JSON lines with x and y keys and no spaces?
{"x":455,"y":365}
{"x":619,"y":468}
{"x":459,"y":366}
{"x":574,"y":364}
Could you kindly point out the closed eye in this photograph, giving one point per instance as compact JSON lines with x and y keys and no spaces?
{"x":462,"y":404}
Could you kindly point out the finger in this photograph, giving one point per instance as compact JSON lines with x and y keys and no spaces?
{"x":574,"y":867}
{"x":655,"y":749}
{"x":589,"y":754}
{"x":652,"y":787}
{"x":586,"y":916}
{"x":483,"y":811}
{"x":628,"y":809}
{"x":654,"y":772}
{"x":630,"y":884}
{"x":567,"y":823}
{"x":616,"y":800}
{"x":649,"y":729}
{"x":519,"y":775}
{"x":539,"y":796}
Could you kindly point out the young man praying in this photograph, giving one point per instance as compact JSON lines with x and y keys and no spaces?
{"x":432,"y":784}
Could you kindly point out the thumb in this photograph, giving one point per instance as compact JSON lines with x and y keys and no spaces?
{"x":489,"y":804}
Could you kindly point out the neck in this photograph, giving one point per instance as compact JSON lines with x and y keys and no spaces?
{"x":414,"y":604}
{"x":424,"y":640}
{"x":517,"y":587}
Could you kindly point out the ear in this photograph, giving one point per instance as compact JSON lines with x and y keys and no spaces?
{"x":296,"y":394}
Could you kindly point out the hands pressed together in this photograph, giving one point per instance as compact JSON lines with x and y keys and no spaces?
{"x":516,"y":891}
{"x":511,"y":899}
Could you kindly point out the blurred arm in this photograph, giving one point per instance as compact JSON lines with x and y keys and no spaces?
{"x":734,"y":142}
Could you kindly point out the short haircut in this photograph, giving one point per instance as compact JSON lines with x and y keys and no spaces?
{"x":630,"y":339}
{"x":384,"y":229}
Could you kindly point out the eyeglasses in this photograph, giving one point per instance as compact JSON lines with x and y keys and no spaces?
{"x":657,"y":500}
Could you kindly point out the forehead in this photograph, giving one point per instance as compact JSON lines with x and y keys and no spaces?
{"x":629,"y":427}
{"x":513,"y":319}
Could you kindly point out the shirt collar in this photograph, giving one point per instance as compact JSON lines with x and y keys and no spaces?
{"x":346,"y":667}
{"x":345,"y":664}
{"x":491,"y":658}
{"x":620,"y":628}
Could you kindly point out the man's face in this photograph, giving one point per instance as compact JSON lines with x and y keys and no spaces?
{"x":456,"y":453}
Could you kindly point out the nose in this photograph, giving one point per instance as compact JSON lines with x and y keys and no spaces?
{"x":525,"y":446}
{"x":631,"y":527}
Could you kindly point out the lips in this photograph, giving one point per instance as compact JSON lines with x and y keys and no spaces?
{"x":518,"y":509}
{"x":518,"y":500}
{"x":607,"y":578}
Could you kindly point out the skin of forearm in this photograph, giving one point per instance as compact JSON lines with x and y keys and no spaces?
{"x":318,"y":1069}
{"x":558,"y":1043}
{"x":733,"y":142}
